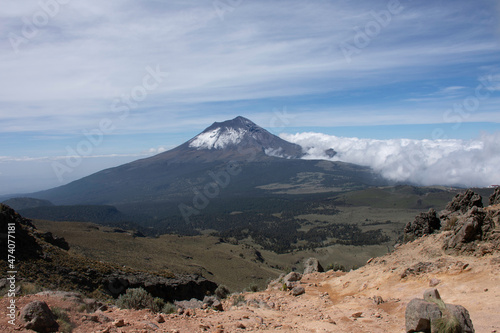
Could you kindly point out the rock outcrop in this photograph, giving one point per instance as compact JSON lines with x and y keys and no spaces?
{"x":431,"y":314}
{"x":54,"y":240}
{"x":468,"y":229}
{"x":424,"y":224}
{"x":465,"y":201}
{"x":495,"y":197}
{"x":38,"y":317}
{"x":22,"y":227}
{"x":312,"y":265}
{"x":170,"y":289}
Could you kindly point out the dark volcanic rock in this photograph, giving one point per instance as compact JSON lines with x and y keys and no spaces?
{"x":170,"y":289}
{"x":424,"y":224}
{"x":10,"y":220}
{"x":330,"y":152}
{"x":476,"y":225}
{"x":465,"y":201}
{"x":495,"y":197}
{"x":54,"y":240}
{"x":39,"y":318}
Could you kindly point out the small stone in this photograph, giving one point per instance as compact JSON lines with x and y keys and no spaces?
{"x":160,"y":319}
{"x":119,"y":323}
{"x":357,"y":315}
{"x":430,"y":294}
{"x":434,"y":282}
{"x":217,"y":305}
{"x":240,"y":325}
{"x":299,"y":290}
{"x":204,"y":327}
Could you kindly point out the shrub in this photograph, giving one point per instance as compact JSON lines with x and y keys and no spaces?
{"x":238,"y":300}
{"x":157,"y":304}
{"x":451,"y":223}
{"x":336,"y":267}
{"x":29,"y":288}
{"x":169,"y":308}
{"x":448,"y":323}
{"x":253,"y":287}
{"x":222,"y":291}
{"x":62,"y":319}
{"x":136,"y":298}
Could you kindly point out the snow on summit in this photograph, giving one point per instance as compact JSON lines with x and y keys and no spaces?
{"x":218,"y":138}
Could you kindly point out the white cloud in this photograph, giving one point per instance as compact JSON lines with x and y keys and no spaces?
{"x":152,"y":151}
{"x":423,"y":162}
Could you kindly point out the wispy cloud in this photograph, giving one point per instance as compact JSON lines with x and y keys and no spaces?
{"x":92,"y":52}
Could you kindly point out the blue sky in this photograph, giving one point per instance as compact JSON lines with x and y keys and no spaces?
{"x":158,"y":72}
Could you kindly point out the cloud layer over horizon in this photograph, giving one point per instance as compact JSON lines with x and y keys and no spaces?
{"x":469,"y":163}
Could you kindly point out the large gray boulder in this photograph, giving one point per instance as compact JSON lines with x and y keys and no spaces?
{"x":463,"y":317}
{"x":312,"y":265}
{"x":431,"y":315}
{"x":39,"y":318}
{"x":420,"y":314}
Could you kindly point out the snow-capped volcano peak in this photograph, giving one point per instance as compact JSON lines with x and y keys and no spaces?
{"x":218,"y":138}
{"x":225,"y":134}
{"x":241,"y":133}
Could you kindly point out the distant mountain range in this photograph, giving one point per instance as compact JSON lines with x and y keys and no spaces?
{"x":230,"y":159}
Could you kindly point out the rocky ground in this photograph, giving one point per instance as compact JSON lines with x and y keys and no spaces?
{"x":372,"y":298}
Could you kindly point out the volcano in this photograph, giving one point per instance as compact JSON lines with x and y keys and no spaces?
{"x":241,"y":158}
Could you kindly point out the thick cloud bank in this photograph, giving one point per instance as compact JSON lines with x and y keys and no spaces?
{"x":423,"y":162}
